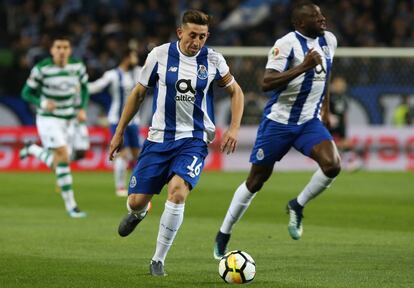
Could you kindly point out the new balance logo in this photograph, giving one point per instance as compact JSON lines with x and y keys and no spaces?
{"x":172,"y":69}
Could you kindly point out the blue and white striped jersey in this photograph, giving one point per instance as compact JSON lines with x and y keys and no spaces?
{"x":120,"y":84}
{"x":183,"y":96}
{"x":301,"y":99}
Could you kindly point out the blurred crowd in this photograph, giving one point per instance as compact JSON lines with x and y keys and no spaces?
{"x":100,"y":27}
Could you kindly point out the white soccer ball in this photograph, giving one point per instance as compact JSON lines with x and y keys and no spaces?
{"x":237,"y":267}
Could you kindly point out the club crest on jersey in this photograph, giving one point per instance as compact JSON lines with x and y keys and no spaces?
{"x":260,"y":154}
{"x":133,"y":182}
{"x":202,"y":72}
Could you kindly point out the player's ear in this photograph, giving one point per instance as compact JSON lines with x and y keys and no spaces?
{"x":179,"y":32}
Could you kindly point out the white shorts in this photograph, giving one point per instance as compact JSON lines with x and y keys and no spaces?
{"x":55,"y":132}
{"x":81,"y":137}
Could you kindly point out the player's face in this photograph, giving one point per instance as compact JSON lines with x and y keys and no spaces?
{"x":192,"y":38}
{"x":133,"y":59}
{"x":60,"y":51}
{"x":314,"y":23}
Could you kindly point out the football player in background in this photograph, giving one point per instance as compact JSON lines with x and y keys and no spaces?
{"x":338,"y":106}
{"x":53,"y":86}
{"x":120,"y":81}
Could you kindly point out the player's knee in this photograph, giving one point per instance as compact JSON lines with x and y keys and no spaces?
{"x":332,"y":169}
{"x":254,"y":184}
{"x":177,"y":196}
{"x":61,"y":155}
{"x":136,"y":203}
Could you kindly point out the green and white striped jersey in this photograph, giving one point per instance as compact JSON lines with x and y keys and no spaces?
{"x":63,"y":85}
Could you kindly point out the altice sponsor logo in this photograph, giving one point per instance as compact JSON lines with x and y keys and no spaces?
{"x":184,"y":97}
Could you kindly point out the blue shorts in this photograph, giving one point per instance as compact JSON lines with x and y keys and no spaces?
{"x":131,"y":138}
{"x":159,"y":162}
{"x":275,"y":139}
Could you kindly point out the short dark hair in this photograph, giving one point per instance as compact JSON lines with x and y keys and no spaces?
{"x":196,"y":17}
{"x":125,"y":52}
{"x":297,"y":10}
{"x":60,"y":35}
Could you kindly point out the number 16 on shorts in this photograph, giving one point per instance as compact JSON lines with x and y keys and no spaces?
{"x":194,"y":169}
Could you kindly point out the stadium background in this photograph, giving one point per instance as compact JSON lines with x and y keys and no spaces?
{"x":376,"y":79}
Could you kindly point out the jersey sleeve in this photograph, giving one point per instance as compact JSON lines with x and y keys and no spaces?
{"x":148,"y":72}
{"x":30,"y":91}
{"x":332,"y":42}
{"x":83,"y":76}
{"x":136,"y":72}
{"x":278,"y":57}
{"x":223,"y":75}
{"x":35,"y":78}
{"x":101,"y":83}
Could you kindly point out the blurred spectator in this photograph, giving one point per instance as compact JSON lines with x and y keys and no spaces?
{"x":403,"y":114}
{"x":338,"y":104}
{"x":100,"y":27}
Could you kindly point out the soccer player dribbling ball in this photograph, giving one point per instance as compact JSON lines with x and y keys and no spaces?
{"x":182,"y":124}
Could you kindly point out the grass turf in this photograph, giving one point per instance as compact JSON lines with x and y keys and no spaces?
{"x":359,"y":233}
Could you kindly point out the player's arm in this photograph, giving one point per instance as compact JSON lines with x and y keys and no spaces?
{"x":274,"y":79}
{"x":31,"y":95}
{"x":30,"y":91}
{"x":325,"y":104}
{"x":84,"y":103}
{"x":84,"y":95}
{"x":229,"y":140}
{"x":131,"y":108}
{"x":100,"y":84}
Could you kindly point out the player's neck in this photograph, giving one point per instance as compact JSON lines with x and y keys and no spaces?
{"x":60,"y":64}
{"x":124,"y":66}
{"x":304,"y":33}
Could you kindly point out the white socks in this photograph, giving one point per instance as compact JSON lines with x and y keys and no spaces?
{"x":64,"y":181}
{"x":120,"y":170}
{"x":318,"y":183}
{"x":239,"y":204}
{"x":170,"y":222}
{"x":42,"y":154}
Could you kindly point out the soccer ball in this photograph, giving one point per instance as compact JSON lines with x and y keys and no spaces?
{"x":237,"y":267}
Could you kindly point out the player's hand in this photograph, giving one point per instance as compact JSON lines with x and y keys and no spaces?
{"x":48,"y":105}
{"x":81,"y":116}
{"x":116,"y":144}
{"x":312,"y":59}
{"x":229,"y":141}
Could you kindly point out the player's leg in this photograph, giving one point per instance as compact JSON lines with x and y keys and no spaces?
{"x":55,"y":134}
{"x":41,"y":153}
{"x":81,"y":142}
{"x":148,"y":178}
{"x":137,"y":206}
{"x":242,"y":198}
{"x":317,"y":143}
{"x":264,"y":154}
{"x":120,"y":172}
{"x":64,"y":181}
{"x":170,"y":222}
{"x":184,"y":172}
{"x":133,"y":141}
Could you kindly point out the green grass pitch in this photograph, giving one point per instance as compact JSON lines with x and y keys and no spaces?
{"x":359,"y":233}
